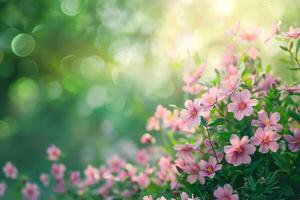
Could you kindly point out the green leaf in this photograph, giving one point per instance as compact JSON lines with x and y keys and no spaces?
{"x":203,"y":121}
{"x":297,"y":47}
{"x":282,"y":161}
{"x":217,"y":122}
{"x":286,"y":189}
{"x":284,"y":48}
{"x":293,"y":69}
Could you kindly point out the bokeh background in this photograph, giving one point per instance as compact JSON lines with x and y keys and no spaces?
{"x":86,"y":74}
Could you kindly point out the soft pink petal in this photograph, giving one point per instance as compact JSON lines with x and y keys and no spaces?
{"x":245,"y":95}
{"x":248,"y":111}
{"x":263,"y":148}
{"x":218,"y":193}
{"x":235,"y":97}
{"x":262,"y":115}
{"x":274,"y":146}
{"x":239,"y":115}
{"x":275,"y":117}
{"x":234,"y":140}
{"x":233,"y":107}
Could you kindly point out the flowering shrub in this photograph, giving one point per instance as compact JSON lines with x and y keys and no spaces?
{"x":237,"y":137}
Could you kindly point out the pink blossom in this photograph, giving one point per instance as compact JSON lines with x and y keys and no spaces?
{"x":253,"y":53}
{"x":161,"y":112}
{"x":44,"y":178}
{"x":142,"y":157}
{"x":53,"y":152}
{"x":186,"y":151}
{"x":192,"y":89}
{"x":10,"y":170}
{"x":2,"y":188}
{"x":75,"y":177}
{"x":241,"y":104}
{"x":193,"y":169}
{"x":294,"y":141}
{"x":275,"y":30}
{"x":58,"y":170}
{"x":147,"y":138}
{"x":126,"y":194}
{"x":264,"y":121}
{"x":31,"y":191}
{"x":142,"y":179}
{"x":291,"y":89}
{"x":92,"y":174}
{"x":184,"y":196}
{"x":149,"y":197}
{"x":192,"y":77}
{"x":60,"y":186}
{"x":210,"y":98}
{"x":250,"y":35}
{"x":230,"y":85}
{"x":238,"y":152}
{"x":208,"y":169}
{"x":293,"y":33}
{"x":267,"y":83}
{"x":266,"y":138}
{"x":229,"y":59}
{"x":153,"y":124}
{"x":225,"y":193}
{"x":191,"y":115}
{"x":116,"y":163}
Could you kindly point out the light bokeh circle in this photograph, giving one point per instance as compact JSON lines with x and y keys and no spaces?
{"x":22,"y":45}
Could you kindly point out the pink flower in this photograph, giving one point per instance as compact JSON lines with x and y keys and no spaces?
{"x":250,"y":35}
{"x":115,"y":163}
{"x":210,"y":98}
{"x":267,"y":122}
{"x":149,"y":197}
{"x":142,"y":157}
{"x":147,"y":138}
{"x":161,"y":112}
{"x":185,"y":151}
{"x":2,"y":188}
{"x":230,"y":85}
{"x":238,"y":152}
{"x":253,"y":53}
{"x":275,"y":30}
{"x":92,"y":174}
{"x":58,"y":171}
{"x":225,"y":193}
{"x":192,"y":89}
{"x":153,"y":124}
{"x":266,"y":138}
{"x":10,"y":170}
{"x":142,"y":179}
{"x":293,"y":33}
{"x":267,"y":83}
{"x":31,"y":191}
{"x":241,"y":104}
{"x":192,"y":77}
{"x":53,"y":153}
{"x":291,"y":89}
{"x":209,"y":168}
{"x":194,"y":169}
{"x":294,"y":142}
{"x":184,"y":196}
{"x":191,"y":115}
{"x":75,"y":177}
{"x":44,"y":178}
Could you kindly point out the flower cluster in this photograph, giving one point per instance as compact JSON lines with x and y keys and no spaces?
{"x":235,"y":138}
